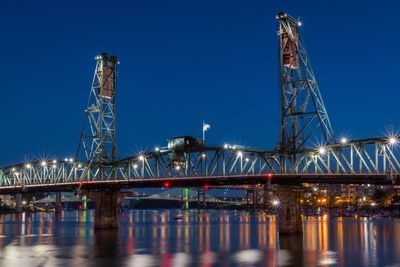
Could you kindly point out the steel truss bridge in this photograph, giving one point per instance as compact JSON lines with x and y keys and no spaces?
{"x":295,"y":160}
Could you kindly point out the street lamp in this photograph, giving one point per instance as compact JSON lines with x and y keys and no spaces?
{"x":392,"y":140}
{"x":321,"y":150}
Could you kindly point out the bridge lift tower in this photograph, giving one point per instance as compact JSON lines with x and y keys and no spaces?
{"x":97,"y":142}
{"x":303,"y":113}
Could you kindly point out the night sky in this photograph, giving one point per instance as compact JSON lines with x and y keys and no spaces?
{"x":187,"y":61}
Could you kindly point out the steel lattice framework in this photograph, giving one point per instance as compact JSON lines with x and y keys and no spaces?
{"x":97,"y":142}
{"x":303,"y":111}
{"x":377,"y":156}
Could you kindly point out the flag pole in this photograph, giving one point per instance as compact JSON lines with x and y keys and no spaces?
{"x":204,"y":135}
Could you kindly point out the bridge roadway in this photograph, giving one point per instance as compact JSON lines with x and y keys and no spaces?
{"x":200,"y":181}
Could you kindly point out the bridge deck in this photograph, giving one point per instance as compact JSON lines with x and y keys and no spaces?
{"x":280,"y":179}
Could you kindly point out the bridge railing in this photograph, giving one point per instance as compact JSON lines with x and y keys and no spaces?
{"x":369,"y":156}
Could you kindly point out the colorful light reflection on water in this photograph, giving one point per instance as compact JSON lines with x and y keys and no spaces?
{"x":210,"y":238}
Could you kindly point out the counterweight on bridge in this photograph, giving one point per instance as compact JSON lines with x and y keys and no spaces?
{"x":97,"y":142}
{"x":303,"y":113}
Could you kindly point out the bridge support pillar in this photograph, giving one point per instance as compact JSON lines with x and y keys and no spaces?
{"x":251,"y":199}
{"x":58,"y":205}
{"x":201,"y":199}
{"x":18,"y":202}
{"x":290,"y":220}
{"x":107,"y":206}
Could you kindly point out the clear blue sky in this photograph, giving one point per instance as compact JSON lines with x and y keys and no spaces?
{"x":185,"y":61}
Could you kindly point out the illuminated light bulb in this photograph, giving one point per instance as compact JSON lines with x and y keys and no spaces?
{"x":322,"y":150}
{"x":392,"y":140}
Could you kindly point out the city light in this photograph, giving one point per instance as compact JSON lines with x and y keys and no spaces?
{"x":343,"y":140}
{"x":178,"y":168}
{"x":71,"y":160}
{"x":392,"y":140}
{"x":226,"y":146}
{"x":275,"y":202}
{"x":141,"y":157}
{"x":13,"y":169}
{"x":135,"y":166}
{"x":54,"y":161}
{"x":28,"y":166}
{"x":203,"y":155}
{"x":157,"y":149}
{"x":322,"y":150}
{"x":240,"y":154}
{"x":247,"y":159}
{"x":43,"y":163}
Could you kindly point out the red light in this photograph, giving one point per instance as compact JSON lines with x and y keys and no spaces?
{"x":206,"y":186}
{"x":166,"y":184}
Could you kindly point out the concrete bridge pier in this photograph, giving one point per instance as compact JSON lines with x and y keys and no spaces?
{"x":58,"y":205}
{"x":251,"y":199}
{"x":18,"y":203}
{"x":290,"y":221}
{"x":201,"y":199}
{"x":107,"y":206}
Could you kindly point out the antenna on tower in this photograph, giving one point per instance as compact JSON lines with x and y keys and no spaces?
{"x":303,"y":112}
{"x":97,"y":142}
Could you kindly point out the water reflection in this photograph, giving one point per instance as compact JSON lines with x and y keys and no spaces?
{"x":211,"y":238}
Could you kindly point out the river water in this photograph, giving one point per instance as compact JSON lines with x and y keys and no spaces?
{"x":210,"y":238}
